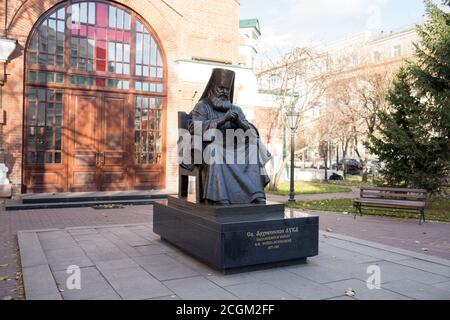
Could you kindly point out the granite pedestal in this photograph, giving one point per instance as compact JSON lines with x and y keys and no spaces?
{"x":230,"y":238}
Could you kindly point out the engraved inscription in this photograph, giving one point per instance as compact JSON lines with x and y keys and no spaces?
{"x":272,"y":239}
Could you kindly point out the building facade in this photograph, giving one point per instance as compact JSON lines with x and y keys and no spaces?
{"x":357,"y":60}
{"x":91,"y":90}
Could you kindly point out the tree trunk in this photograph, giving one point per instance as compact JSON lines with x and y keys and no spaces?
{"x":275,"y":178}
{"x":365,"y":175}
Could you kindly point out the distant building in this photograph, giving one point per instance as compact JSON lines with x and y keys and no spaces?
{"x":249,"y":33}
{"x":371,"y":51}
{"x":364,"y":54}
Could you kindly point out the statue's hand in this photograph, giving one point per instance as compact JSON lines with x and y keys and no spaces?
{"x":231,"y":116}
{"x":242,"y":124}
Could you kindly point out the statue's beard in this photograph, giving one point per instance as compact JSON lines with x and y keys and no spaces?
{"x":220,"y":104}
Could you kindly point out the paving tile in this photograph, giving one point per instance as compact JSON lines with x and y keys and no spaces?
{"x":442,"y":286}
{"x":31,"y":251}
{"x":93,"y":286}
{"x":345,"y":298}
{"x":349,"y":255}
{"x":163,"y":267}
{"x":172,"y":297}
{"x":117,"y":264}
{"x":366,"y":250}
{"x":232,"y":279}
{"x":392,"y":271}
{"x":259,"y":291}
{"x":427,"y":266}
{"x":347,"y":267}
{"x":297,"y":286}
{"x":364,"y":293}
{"x":318,"y":273}
{"x":101,"y":250}
{"x":151,"y":249}
{"x":61,"y":259}
{"x":39,"y":283}
{"x":144,"y":232}
{"x":417,"y":290}
{"x":168,"y":247}
{"x":134,"y":283}
{"x":122,"y":245}
{"x":56,"y":240}
{"x":113,"y":296}
{"x":194,"y":264}
{"x":89,"y":237}
{"x":198,"y":288}
{"x":81,"y":231}
{"x":130,"y":237}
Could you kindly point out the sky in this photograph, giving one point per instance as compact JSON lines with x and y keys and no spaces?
{"x":286,"y":24}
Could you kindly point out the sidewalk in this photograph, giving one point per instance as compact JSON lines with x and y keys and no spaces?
{"x":131,"y":262}
{"x":387,"y":231}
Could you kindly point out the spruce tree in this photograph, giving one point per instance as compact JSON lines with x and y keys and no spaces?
{"x":413,"y":140}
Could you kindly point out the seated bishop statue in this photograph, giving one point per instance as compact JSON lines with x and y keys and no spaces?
{"x":233,"y":157}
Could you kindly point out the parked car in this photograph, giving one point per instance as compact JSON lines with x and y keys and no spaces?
{"x":352,"y":166}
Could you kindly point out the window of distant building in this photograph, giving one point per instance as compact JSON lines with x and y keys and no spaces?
{"x":376,"y":56}
{"x":397,"y":51}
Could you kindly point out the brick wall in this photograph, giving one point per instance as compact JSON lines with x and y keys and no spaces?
{"x":185,"y":28}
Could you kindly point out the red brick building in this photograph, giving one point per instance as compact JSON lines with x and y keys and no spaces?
{"x":90,"y":90}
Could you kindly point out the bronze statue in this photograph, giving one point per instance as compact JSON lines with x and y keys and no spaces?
{"x":236,"y":179}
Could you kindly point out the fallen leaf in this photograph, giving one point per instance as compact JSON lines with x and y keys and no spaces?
{"x":350,"y":292}
{"x":417,"y":242}
{"x":3,"y":278}
{"x":7,"y":298}
{"x":424,"y":249}
{"x":329,"y":230}
{"x":345,"y":212}
{"x":4,"y":265}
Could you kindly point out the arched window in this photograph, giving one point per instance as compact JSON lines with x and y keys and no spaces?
{"x":92,"y":46}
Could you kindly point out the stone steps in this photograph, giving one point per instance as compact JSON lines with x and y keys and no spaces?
{"x":57,"y":202}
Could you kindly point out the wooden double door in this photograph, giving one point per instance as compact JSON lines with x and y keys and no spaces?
{"x":98,"y":149}
{"x":100,"y":142}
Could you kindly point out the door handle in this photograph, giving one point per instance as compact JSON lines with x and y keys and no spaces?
{"x":97,"y":158}
{"x":100,"y":159}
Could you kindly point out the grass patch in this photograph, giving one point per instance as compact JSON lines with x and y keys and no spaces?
{"x":437,"y":209}
{"x":306,"y":187}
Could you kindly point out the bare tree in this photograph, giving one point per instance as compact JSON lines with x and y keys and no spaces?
{"x":294,"y":80}
{"x":356,"y":97}
{"x":371,"y":92}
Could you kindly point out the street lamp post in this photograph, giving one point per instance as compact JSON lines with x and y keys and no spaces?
{"x":292,"y":118}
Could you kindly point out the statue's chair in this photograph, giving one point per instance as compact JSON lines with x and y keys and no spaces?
{"x":188,"y":171}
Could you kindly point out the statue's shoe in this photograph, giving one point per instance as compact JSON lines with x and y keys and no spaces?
{"x":222,"y":203}
{"x":259,"y":201}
